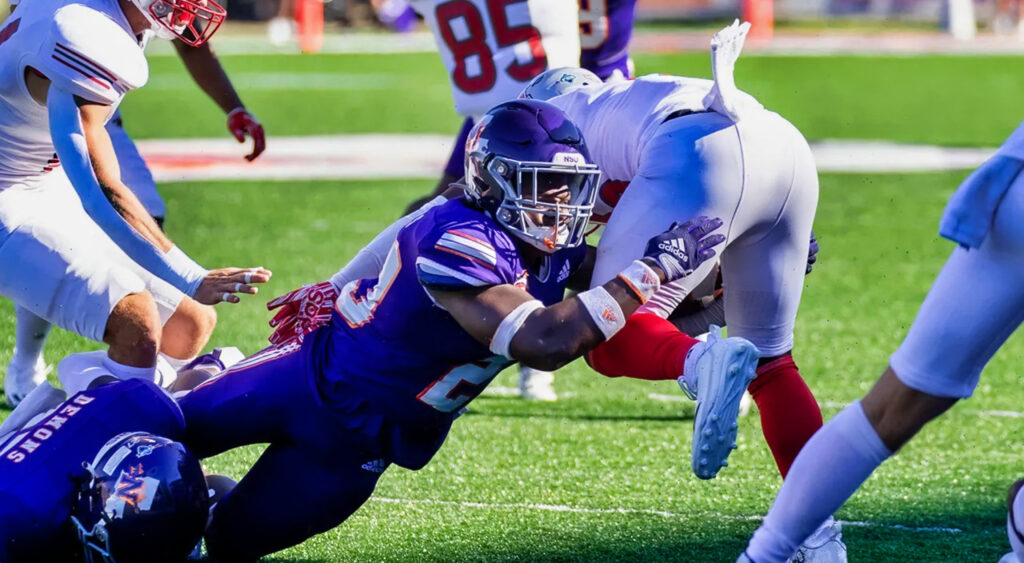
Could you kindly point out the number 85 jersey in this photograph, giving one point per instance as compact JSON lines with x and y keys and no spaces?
{"x":492,"y":48}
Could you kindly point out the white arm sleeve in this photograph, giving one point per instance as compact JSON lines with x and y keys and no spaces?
{"x":370,"y":259}
{"x":69,"y":142}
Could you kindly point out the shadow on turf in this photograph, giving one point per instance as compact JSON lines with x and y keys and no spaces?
{"x":580,"y":416}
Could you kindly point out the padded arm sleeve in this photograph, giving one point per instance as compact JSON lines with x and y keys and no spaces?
{"x":69,"y":141}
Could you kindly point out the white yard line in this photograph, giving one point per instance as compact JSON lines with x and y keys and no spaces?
{"x":370,"y":156}
{"x":638,"y":511}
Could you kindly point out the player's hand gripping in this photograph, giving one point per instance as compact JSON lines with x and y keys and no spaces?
{"x":812,"y":253}
{"x":241,"y":123}
{"x":684,"y":247}
{"x":302,"y":311}
{"x":222,"y":284}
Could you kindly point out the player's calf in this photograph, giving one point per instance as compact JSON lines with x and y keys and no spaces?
{"x":188,"y":330}
{"x":133,"y":331}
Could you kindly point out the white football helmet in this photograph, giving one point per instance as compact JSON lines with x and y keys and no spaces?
{"x":558,"y":81}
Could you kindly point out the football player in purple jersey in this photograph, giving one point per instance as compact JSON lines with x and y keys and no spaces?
{"x":606,"y":27}
{"x":100,"y":477}
{"x":468,"y":287}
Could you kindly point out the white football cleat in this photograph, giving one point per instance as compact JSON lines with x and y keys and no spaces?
{"x":716,"y":373}
{"x":824,"y":546}
{"x":536,"y":385}
{"x":19,"y":382}
{"x":1009,"y":558}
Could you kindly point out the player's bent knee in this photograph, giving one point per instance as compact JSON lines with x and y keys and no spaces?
{"x":133,"y":330}
{"x":189,"y":329}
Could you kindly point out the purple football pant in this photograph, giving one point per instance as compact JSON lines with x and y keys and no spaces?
{"x":321,"y":465}
{"x":456,"y":166}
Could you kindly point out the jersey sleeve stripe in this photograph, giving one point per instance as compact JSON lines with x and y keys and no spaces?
{"x":465,"y":255}
{"x":474,"y":247}
{"x":432,"y":273}
{"x":82,"y":71}
{"x":85,"y":61}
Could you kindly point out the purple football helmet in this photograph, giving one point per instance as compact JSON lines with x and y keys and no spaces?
{"x":146,"y":500}
{"x":527,"y":165}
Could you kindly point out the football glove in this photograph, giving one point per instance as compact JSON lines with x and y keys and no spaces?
{"x":684,"y":247}
{"x":302,"y":311}
{"x":242,"y":123}
{"x":812,"y":253}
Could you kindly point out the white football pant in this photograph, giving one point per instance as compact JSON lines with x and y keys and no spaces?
{"x":759,"y":177}
{"x":59,"y":264}
{"x":976,"y":302}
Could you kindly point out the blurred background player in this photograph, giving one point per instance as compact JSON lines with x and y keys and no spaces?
{"x":677,"y":140}
{"x":939,"y":362}
{"x":403,"y":353}
{"x":491,"y":50}
{"x":606,"y":27}
{"x":27,"y":367}
{"x":80,"y":250}
{"x":101,"y":477}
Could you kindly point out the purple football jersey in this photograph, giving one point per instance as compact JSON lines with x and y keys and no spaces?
{"x":390,"y":342}
{"x":39,"y":465}
{"x":605,"y":29}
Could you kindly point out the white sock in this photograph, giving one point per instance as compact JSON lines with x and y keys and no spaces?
{"x":828,"y":470}
{"x":29,"y":337}
{"x":175,"y":362}
{"x":122,"y":371}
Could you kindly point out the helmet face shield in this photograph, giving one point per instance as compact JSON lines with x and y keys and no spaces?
{"x":547,"y":204}
{"x":191,"y":21}
{"x":95,"y":542}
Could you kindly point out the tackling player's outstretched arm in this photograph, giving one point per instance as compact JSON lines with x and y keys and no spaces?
{"x":205,"y":68}
{"x":515,"y":325}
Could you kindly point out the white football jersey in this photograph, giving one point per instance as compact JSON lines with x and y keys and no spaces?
{"x":618,"y":119}
{"x":85,"y":47}
{"x":492,"y":48}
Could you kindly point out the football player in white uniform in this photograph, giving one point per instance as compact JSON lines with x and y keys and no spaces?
{"x":27,"y":367}
{"x":693,"y":147}
{"x":938,"y":363}
{"x":76,"y":246}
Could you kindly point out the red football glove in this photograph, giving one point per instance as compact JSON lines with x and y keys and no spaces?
{"x":302,"y":311}
{"x":242,"y":123}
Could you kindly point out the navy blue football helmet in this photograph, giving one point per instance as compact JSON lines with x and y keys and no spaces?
{"x":528,"y":166}
{"x":146,"y":501}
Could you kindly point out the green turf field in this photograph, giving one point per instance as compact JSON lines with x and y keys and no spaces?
{"x":603,"y":474}
{"x":949,"y":100}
